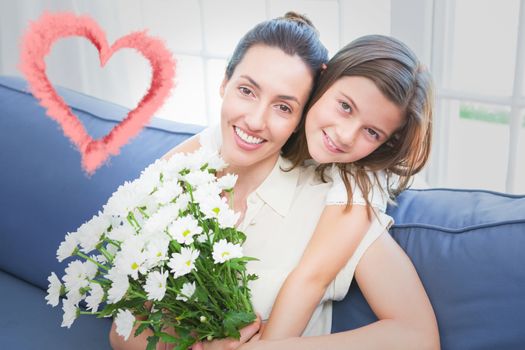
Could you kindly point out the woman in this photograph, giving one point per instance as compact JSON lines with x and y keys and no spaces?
{"x":262,"y":107}
{"x":280,"y":59}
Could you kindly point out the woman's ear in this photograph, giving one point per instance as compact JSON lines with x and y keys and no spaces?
{"x":323,"y":68}
{"x":223,"y":86}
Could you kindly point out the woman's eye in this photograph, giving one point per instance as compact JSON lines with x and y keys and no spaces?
{"x":285,"y":108}
{"x":245,"y":91}
{"x":346,"y":107}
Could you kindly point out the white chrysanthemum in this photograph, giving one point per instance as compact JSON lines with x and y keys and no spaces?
{"x":156,"y":167}
{"x":217,"y":163}
{"x":206,"y":191}
{"x":150,"y":177}
{"x":90,"y":232}
{"x":169,"y":191}
{"x":183,"y":229}
{"x":175,"y":164}
{"x":76,"y":275}
{"x":53,"y":290}
{"x":121,"y":232}
{"x":213,"y":207}
{"x":124,"y":322}
{"x":183,"y":262}
{"x":127,"y":197}
{"x":224,"y":250}
{"x":131,"y":258}
{"x":90,"y":268}
{"x":201,"y":238}
{"x":75,"y":296}
{"x":156,"y":251}
{"x":156,"y":285}
{"x":198,"y":178}
{"x":183,"y":201}
{"x":67,"y":247}
{"x":207,"y":156}
{"x":187,"y":291}
{"x":228,"y":218}
{"x":119,"y":287}
{"x":96,"y":294}
{"x":161,"y":219}
{"x":200,"y":157}
{"x":227,"y":182}
{"x":71,"y":313}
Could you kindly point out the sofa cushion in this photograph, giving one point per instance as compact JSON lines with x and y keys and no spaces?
{"x":44,"y":193}
{"x":468,"y":248}
{"x":28,"y":323}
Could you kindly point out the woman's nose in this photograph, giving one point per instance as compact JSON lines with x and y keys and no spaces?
{"x":256,"y":119}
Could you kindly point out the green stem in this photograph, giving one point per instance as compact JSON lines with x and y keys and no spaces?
{"x":207,"y":292}
{"x":88,"y":313}
{"x":143,"y":213}
{"x":143,"y":296}
{"x":82,"y":255}
{"x":106,"y":254}
{"x":132,"y":221}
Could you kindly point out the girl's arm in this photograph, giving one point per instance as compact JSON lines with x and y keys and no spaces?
{"x":395,"y":293}
{"x":334,"y":241}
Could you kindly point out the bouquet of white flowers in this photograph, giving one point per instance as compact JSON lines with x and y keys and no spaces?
{"x":165,"y":250}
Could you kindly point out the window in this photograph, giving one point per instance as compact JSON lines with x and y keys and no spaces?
{"x":478,"y":54}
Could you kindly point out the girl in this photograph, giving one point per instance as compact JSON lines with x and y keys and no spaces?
{"x":371,"y":111}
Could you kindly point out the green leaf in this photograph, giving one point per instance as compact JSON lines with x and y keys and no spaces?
{"x":155,"y":317}
{"x":152,"y":342}
{"x":235,"y":320}
{"x":141,"y":329}
{"x":252,"y":277}
{"x":201,"y":295}
{"x":167,"y":338}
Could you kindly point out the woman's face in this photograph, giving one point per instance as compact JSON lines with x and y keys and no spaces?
{"x":350,"y":121}
{"x":262,"y":104}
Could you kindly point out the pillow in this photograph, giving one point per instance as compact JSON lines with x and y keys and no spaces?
{"x":468,"y":249}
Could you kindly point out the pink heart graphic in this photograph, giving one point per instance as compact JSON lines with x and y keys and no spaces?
{"x":36,"y":45}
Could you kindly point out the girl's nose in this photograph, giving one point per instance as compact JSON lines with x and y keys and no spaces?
{"x":347,"y":132}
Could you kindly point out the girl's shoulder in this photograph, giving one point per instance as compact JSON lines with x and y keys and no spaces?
{"x":377,"y":196}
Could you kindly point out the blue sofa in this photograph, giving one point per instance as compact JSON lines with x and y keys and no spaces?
{"x":466,"y":245}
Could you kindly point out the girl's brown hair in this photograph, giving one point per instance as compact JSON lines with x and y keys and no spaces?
{"x":397,"y":73}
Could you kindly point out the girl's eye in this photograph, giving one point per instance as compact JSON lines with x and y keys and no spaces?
{"x":245,"y":91}
{"x":372,"y":133}
{"x":346,"y":107}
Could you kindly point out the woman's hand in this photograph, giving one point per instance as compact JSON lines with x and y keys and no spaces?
{"x":247,"y":333}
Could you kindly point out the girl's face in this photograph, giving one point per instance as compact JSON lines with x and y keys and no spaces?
{"x":262,"y":104}
{"x":350,"y":121}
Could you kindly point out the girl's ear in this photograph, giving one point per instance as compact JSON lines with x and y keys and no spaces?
{"x":223,"y":86}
